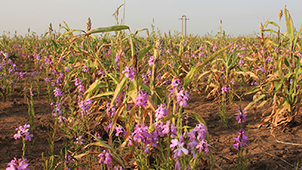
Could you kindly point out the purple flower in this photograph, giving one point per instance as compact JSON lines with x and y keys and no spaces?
{"x":182,"y":98}
{"x":129,"y":72}
{"x":118,"y":167}
{"x":141,"y":99}
{"x":47,"y":60}
{"x":241,"y":62}
{"x":41,"y":66}
{"x":57,"y":109}
{"x":240,"y":139}
{"x":61,"y":75}
{"x":141,"y":135}
{"x":98,"y":136}
{"x":255,"y":84}
{"x":224,"y":89}
{"x":200,"y":54}
{"x":19,"y":164}
{"x":241,"y":116}
{"x":268,"y":59}
{"x":85,"y":106}
{"x":109,"y":125}
{"x":117,"y":58}
{"x":159,"y":76}
{"x":161,"y":112}
{"x":203,"y":145}
{"x":169,"y":51}
{"x":81,"y":89}
{"x":151,"y":60}
{"x":31,"y":91}
{"x":119,"y":130}
{"x":80,"y":140}
{"x":78,"y":82}
{"x":201,"y":131}
{"x":149,"y":73}
{"x":57,"y":92}
{"x":169,"y":128}
{"x":180,"y":147}
{"x":105,"y":158}
{"x":22,"y":74}
{"x":111,"y":111}
{"x":101,"y":72}
{"x":6,"y":55}
{"x":85,"y":68}
{"x":67,"y":69}
{"x":175,"y":83}
{"x":23,"y":130}
{"x":145,"y":78}
{"x":67,"y":158}
{"x":214,"y":47}
{"x":177,"y":165}
{"x":62,"y":119}
{"x":262,"y":69}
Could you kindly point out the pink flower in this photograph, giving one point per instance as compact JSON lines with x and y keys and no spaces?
{"x":23,"y":131}
{"x":180,"y":148}
{"x":241,"y":116}
{"x":141,"y":99}
{"x":151,"y":60}
{"x":224,"y":89}
{"x":182,"y":98}
{"x":161,"y":112}
{"x":19,"y":164}
{"x":129,"y":72}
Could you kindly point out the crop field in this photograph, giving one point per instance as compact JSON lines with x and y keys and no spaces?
{"x":108,"y":98}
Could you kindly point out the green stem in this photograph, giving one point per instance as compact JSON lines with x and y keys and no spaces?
{"x":23,"y":147}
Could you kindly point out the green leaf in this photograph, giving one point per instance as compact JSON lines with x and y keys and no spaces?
{"x":145,"y":87}
{"x":109,"y":93}
{"x":138,"y":31}
{"x":118,"y":89}
{"x":94,"y":86}
{"x":198,"y":118}
{"x":289,"y":24}
{"x":191,"y":75}
{"x":252,"y":91}
{"x":270,"y":22}
{"x":113,"y":78}
{"x":108,"y":29}
{"x":253,"y":102}
{"x":270,"y":30}
{"x":286,"y":62}
{"x":296,"y":38}
{"x":143,"y":52}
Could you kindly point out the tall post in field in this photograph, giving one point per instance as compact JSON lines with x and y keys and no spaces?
{"x":186,"y":25}
{"x":184,"y":17}
{"x":182,"y":25}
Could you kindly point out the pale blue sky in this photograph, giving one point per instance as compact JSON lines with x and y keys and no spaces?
{"x":240,"y":17}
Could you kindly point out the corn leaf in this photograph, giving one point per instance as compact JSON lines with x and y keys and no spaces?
{"x":108,"y":29}
{"x":191,"y":75}
{"x":289,"y":24}
{"x":253,"y":102}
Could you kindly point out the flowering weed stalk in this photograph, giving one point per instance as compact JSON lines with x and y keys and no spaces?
{"x":169,"y":145}
{"x":31,"y":109}
{"x":23,"y":132}
{"x":19,"y":164}
{"x":242,"y":160}
{"x":223,"y":106}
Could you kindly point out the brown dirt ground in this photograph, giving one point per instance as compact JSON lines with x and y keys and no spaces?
{"x":265,"y":151}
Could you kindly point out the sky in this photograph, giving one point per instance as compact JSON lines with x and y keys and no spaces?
{"x":239,"y":17}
